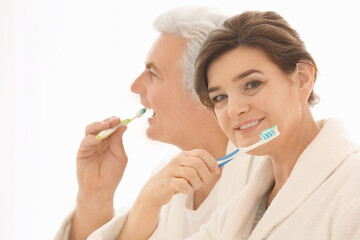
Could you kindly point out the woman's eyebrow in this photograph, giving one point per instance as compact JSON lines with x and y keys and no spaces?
{"x":243,"y":75}
{"x":239,"y":77}
{"x":213,"y":89}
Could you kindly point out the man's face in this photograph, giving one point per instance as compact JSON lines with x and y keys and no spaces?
{"x":161,"y":89}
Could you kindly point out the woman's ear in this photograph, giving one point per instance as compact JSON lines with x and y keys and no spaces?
{"x":305,"y":79}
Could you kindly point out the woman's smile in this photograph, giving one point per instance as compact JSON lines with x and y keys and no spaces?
{"x":247,"y":126}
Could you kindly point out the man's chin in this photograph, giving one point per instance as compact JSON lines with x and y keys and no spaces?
{"x":157,"y":136}
{"x":150,"y":133}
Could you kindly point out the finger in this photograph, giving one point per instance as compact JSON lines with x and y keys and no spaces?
{"x":209,"y":160}
{"x":116,"y":142}
{"x":114,"y":121}
{"x":199,"y":165}
{"x":96,"y":127}
{"x":88,"y":143}
{"x":190,"y":175}
{"x":180,"y":186}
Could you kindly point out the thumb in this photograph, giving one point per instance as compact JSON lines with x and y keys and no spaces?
{"x":117,"y":142}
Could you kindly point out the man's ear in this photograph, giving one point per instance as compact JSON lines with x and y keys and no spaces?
{"x":305,"y":79}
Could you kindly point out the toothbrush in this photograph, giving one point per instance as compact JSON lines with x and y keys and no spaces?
{"x":266,"y":136}
{"x":105,"y":133}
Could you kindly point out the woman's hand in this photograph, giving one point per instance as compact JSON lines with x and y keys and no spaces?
{"x":187,"y":172}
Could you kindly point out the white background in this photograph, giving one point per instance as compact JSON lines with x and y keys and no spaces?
{"x":64,"y":64}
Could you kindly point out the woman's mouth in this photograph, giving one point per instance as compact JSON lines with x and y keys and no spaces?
{"x":249,"y":126}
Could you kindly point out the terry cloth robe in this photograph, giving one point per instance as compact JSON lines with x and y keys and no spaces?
{"x":320,"y":199}
{"x":235,"y":175}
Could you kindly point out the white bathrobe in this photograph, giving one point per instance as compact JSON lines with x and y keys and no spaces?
{"x":320,"y":199}
{"x":173,"y":221}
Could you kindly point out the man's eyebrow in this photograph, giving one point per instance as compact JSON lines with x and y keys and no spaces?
{"x":239,"y":77}
{"x":151,"y":66}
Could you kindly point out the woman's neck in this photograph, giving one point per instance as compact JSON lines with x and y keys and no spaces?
{"x":284,"y":159}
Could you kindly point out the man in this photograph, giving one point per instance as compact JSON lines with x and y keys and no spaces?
{"x":165,"y":86}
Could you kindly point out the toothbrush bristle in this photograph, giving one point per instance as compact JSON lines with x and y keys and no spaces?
{"x":141,"y":112}
{"x":269,"y":133}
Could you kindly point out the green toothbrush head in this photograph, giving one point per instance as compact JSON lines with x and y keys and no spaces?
{"x":141,"y":112}
{"x":138,"y":114}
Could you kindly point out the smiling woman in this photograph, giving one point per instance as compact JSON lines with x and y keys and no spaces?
{"x":247,"y":82}
{"x":255,"y":72}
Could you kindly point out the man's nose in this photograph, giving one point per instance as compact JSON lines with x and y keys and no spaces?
{"x":138,"y":85}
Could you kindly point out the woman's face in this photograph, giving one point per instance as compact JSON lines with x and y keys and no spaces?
{"x":250,"y":94}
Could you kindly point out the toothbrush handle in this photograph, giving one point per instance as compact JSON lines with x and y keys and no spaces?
{"x":107,"y":132}
{"x":222,"y":161}
{"x":249,"y":148}
{"x":116,"y":127}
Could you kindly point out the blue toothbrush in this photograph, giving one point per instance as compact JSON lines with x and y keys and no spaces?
{"x":266,"y":136}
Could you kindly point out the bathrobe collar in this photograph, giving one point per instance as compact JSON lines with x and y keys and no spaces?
{"x":324,"y":154}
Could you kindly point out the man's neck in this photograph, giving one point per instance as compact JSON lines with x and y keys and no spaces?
{"x":207,"y":135}
{"x":216,"y":144}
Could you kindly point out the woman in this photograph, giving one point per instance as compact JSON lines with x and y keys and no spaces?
{"x":253,"y":73}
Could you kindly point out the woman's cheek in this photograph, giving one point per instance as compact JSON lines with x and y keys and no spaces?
{"x":223,"y":120}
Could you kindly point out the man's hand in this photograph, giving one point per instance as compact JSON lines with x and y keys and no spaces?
{"x":100,"y":166}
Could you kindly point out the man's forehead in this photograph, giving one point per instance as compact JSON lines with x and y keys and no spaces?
{"x":167,"y":45}
{"x":154,"y":57}
{"x":165,"y":54}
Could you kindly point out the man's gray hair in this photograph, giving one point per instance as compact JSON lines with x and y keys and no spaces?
{"x":193,"y":24}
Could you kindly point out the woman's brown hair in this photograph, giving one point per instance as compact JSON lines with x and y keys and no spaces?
{"x":267,"y":31}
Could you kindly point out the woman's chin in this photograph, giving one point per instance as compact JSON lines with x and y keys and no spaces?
{"x":245,"y":143}
{"x":259,"y":151}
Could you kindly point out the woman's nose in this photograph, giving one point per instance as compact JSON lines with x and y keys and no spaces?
{"x":237,"y":106}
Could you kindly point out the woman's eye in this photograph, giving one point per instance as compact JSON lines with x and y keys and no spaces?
{"x":252,"y":85}
{"x":218,"y":98}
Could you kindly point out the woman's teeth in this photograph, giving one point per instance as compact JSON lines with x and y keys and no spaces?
{"x":249,"y":125}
